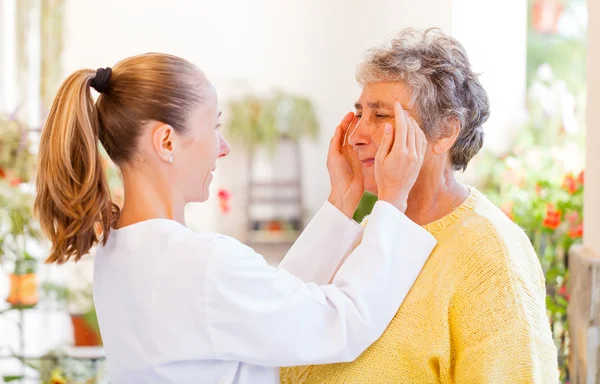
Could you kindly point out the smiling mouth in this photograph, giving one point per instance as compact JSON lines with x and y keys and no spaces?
{"x":368,"y":162}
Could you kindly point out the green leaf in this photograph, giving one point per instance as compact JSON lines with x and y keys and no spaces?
{"x":8,"y":379}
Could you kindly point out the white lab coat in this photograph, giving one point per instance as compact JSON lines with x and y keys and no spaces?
{"x":175,"y":306}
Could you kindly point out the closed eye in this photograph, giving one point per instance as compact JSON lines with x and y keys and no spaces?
{"x":218,"y":126}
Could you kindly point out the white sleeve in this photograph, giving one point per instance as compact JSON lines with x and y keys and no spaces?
{"x":318,"y":251}
{"x":263,"y":316}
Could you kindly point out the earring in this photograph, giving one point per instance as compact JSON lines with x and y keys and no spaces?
{"x":171,"y":159}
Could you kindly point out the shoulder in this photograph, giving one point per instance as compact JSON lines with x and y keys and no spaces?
{"x":496,"y":228}
{"x":215,"y":242}
{"x":493,"y":247}
{"x":486,"y":230}
{"x":217,"y":259}
{"x":202,"y":247}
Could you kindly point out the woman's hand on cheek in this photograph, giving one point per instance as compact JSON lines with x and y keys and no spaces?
{"x":345,"y":169}
{"x":399,"y":159}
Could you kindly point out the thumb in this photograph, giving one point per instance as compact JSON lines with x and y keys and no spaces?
{"x":386,"y":143}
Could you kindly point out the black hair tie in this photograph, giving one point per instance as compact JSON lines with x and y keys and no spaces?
{"x":100,"y":82}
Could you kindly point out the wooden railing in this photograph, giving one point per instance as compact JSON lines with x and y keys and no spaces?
{"x":584,"y":316}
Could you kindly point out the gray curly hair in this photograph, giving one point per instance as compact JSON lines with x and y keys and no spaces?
{"x":443,"y":86}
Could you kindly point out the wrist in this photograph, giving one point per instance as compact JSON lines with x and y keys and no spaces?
{"x":400,"y":202}
{"x":345,"y":202}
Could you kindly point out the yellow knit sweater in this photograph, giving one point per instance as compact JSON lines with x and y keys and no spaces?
{"x":476,"y":313}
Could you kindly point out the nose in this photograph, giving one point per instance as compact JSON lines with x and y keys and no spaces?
{"x":360,"y":134}
{"x":224,"y":147}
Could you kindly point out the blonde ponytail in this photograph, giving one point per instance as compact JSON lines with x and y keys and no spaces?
{"x":73,"y":201}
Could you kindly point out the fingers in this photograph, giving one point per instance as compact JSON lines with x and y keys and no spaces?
{"x":353,"y":160}
{"x":401,"y":124}
{"x":386,"y":143}
{"x":334,"y":143}
{"x":411,"y":134}
{"x":350,"y":128}
{"x":339,"y":137}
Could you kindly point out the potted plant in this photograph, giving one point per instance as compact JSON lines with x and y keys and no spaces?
{"x":18,"y":229}
{"x":262,"y":121}
{"x":86,"y":332}
{"x":23,"y":283}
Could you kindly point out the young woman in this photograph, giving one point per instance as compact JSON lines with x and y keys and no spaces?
{"x":176,"y":306}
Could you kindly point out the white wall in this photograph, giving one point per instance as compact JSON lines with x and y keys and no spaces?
{"x":494,"y":35}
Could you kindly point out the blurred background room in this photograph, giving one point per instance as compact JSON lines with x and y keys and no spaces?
{"x":284,"y":72}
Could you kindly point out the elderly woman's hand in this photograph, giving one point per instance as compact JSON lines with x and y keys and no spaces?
{"x":399,"y":159}
{"x":345,"y":169}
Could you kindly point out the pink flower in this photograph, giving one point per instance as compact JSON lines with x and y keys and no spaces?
{"x":573,"y":217}
{"x":580,"y":178}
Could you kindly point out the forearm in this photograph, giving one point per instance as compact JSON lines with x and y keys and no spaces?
{"x":317,"y":253}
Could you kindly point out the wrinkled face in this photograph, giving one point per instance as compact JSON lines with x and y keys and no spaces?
{"x":374,"y":108}
{"x":199,"y":147}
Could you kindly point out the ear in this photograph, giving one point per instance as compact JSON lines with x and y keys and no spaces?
{"x":162,"y":140}
{"x":448,"y":138}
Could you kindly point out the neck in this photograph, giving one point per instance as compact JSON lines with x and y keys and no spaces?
{"x":435,"y":196}
{"x":147,"y":197}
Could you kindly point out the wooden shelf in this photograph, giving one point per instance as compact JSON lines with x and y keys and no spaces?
{"x":277,"y":200}
{"x":272,"y":237}
{"x":275,"y":184}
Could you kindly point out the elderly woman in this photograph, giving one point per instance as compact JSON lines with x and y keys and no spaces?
{"x":476,"y":313}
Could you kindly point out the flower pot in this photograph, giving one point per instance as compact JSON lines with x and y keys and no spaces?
{"x":83,"y":334}
{"x":23,"y":290}
{"x":546,"y":14}
{"x":274,"y":226}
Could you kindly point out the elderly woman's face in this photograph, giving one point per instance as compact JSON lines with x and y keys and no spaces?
{"x":374,"y":108}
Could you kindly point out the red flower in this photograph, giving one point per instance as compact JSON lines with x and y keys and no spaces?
{"x":2,"y":173}
{"x":563,"y":292}
{"x":552,"y":219}
{"x":570,"y":184}
{"x":551,"y":223}
{"x":576,"y":232}
{"x":224,"y":197}
{"x":224,"y":194}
